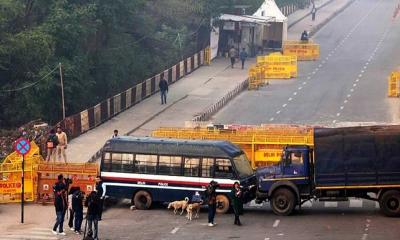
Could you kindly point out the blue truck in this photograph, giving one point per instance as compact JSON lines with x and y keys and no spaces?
{"x":361,"y":162}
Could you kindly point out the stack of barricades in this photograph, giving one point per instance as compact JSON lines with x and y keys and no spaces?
{"x":394,"y":84}
{"x":304,"y":50}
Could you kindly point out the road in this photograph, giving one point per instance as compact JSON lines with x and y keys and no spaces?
{"x":359,"y":49}
{"x":353,"y":220}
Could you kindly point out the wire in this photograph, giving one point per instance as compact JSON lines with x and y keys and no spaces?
{"x":28,"y":85}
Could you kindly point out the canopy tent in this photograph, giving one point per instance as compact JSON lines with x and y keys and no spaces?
{"x":276,"y":32}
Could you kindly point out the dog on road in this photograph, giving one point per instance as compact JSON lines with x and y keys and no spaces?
{"x":193,"y":208}
{"x":176,"y":205}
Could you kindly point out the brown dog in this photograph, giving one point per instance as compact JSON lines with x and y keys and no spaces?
{"x":193,"y":208}
{"x":179,"y":205}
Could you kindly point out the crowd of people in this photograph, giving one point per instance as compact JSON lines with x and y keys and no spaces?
{"x":71,"y":200}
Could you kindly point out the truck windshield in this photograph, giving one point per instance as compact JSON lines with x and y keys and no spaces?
{"x":243,"y":166}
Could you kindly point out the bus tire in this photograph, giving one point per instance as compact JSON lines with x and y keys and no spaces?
{"x":389,"y":203}
{"x":142,"y":200}
{"x":283,"y":202}
{"x":223,"y":203}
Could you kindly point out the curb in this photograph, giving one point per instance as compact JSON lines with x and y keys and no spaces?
{"x":308,"y":14}
{"x":319,"y":26}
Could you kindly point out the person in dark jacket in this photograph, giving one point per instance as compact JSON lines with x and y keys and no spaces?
{"x":77,"y":206}
{"x":304,"y":36}
{"x":60,"y":204}
{"x":211,"y":197}
{"x":163,"y":85}
{"x":237,"y":200}
{"x":93,"y":210}
{"x":51,"y":145}
{"x":99,"y":190}
{"x":243,"y":56}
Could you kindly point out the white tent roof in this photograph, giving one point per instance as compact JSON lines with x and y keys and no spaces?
{"x":268,"y":10}
{"x":245,"y":18}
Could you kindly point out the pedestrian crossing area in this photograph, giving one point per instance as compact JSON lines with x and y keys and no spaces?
{"x":352,"y":203}
{"x":31,"y":234}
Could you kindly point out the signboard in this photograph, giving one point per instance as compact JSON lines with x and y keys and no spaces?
{"x":22,"y":146}
{"x":10,"y":187}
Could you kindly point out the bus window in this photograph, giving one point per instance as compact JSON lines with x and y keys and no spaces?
{"x":191,"y":167}
{"x":223,"y":168}
{"x":127,"y":162}
{"x":170,"y":165}
{"x":106,"y":162}
{"x":145,"y":163}
{"x":296,"y":157}
{"x":207,"y":166}
{"x":116,"y":162}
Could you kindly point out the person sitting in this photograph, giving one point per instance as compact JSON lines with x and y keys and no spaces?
{"x":196,"y":198}
{"x":304,"y":36}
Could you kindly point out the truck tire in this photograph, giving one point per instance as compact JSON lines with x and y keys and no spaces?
{"x":389,"y":203}
{"x":142,"y":200}
{"x":283,"y":202}
{"x":223,"y":203}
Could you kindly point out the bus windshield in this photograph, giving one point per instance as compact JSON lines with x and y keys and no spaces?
{"x":243,"y":166}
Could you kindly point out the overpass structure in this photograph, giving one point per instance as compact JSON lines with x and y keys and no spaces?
{"x":359,"y":49}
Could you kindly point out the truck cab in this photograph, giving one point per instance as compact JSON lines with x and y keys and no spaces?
{"x":287,"y":182}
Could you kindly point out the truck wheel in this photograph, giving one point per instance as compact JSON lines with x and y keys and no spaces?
{"x":222,"y":203}
{"x":142,"y":200}
{"x":283,"y":202}
{"x":389,"y":203}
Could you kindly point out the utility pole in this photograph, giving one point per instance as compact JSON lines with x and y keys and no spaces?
{"x":62,"y":90}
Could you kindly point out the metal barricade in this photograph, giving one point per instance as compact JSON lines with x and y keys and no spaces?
{"x":304,"y":50}
{"x":394,"y":84}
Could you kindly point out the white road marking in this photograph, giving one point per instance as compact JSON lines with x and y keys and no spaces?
{"x":338,"y":114}
{"x":345,"y":101}
{"x":357,"y":80}
{"x":271,"y":119}
{"x":367,"y":63}
{"x":341,"y":107}
{"x":174,"y":230}
{"x":365,"y":67}
{"x":278,"y":112}
{"x":366,"y":229}
{"x":364,"y":236}
{"x":351,"y":90}
{"x":330,"y":204}
{"x":359,"y":75}
{"x":304,"y":83}
{"x":284,"y":105}
{"x":356,"y":203}
{"x":320,"y":65}
{"x":323,"y":61}
{"x":348,"y":95}
{"x":266,"y":238}
{"x":299,"y":88}
{"x":334,"y":121}
{"x":276,"y":223}
{"x":367,"y":225}
{"x":329,"y":54}
{"x":355,"y":84}
{"x":24,"y":236}
{"x":290,"y":99}
{"x":308,"y":78}
{"x":280,"y":234}
{"x":362,"y":71}
{"x":295,"y":93}
{"x":314,"y":72}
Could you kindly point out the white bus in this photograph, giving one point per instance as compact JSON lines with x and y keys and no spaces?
{"x":149,"y":170}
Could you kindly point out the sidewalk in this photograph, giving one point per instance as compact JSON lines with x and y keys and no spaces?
{"x":186,"y":98}
{"x":300,"y":14}
{"x":321,"y":17}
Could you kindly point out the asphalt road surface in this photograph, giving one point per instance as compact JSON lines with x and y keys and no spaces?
{"x":359,"y":49}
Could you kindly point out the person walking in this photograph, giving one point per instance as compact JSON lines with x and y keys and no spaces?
{"x":115,"y":134}
{"x":77,"y":206}
{"x":211,"y":197}
{"x":93,"y":205}
{"x":243,"y":56}
{"x":232,"y":55}
{"x":60,"y":204}
{"x":313,"y":12}
{"x":51,"y":145}
{"x":237,"y":200}
{"x":62,"y":144}
{"x":70,"y":209}
{"x":163,"y":85}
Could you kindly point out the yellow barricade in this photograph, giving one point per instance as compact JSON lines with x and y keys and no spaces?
{"x":394,"y":84}
{"x":304,"y":50}
{"x":262,"y":144}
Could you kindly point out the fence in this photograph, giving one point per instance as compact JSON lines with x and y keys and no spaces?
{"x":394,"y":84}
{"x":90,"y":118}
{"x":210,"y":111}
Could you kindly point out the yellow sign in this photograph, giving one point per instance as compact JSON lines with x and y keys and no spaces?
{"x":10,"y":187}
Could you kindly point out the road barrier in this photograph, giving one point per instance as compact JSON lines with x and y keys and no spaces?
{"x":304,"y":50}
{"x":394,"y":84}
{"x":262,"y":144}
{"x":272,"y":66}
{"x":207,"y":55}
{"x":40,"y":176}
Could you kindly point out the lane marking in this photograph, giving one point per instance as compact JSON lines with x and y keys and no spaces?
{"x":338,"y":114}
{"x":334,"y":121}
{"x":364,"y":236}
{"x":175,"y":230}
{"x":276,"y":223}
{"x":351,"y":90}
{"x":355,"y":84}
{"x":308,"y":78}
{"x":362,"y":71}
{"x":348,"y":95}
{"x":341,"y":107}
{"x":290,"y":99}
{"x":284,"y":105}
{"x":271,"y":119}
{"x":295,"y":93}
{"x":357,"y":80}
{"x":359,"y":75}
{"x":304,"y":83}
{"x":345,"y":101}
{"x":278,"y":112}
{"x":299,"y":88}
{"x":320,"y":65}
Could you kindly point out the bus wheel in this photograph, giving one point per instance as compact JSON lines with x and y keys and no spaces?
{"x":142,"y":200}
{"x":389,"y":203}
{"x":222,"y":203}
{"x":283,"y":202}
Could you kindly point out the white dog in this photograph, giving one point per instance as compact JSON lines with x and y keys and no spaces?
{"x":179,"y":205}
